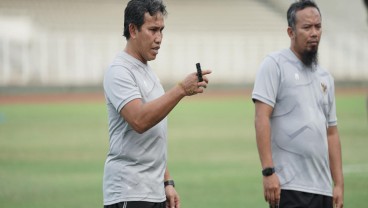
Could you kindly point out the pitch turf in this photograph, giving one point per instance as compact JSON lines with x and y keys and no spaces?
{"x":52,"y":155}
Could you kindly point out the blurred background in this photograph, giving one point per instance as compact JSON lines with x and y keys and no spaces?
{"x":54,"y":43}
{"x":53,"y":119}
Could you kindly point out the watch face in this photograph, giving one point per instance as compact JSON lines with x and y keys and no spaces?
{"x":268,"y":171}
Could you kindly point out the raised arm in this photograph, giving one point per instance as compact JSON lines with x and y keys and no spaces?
{"x":143,"y":116}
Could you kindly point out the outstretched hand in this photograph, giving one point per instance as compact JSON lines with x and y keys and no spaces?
{"x":192,"y":86}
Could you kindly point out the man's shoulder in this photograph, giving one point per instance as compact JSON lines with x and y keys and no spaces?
{"x":278,"y":58}
{"x":122,"y":59}
{"x":283,"y":54}
{"x":122,"y":63}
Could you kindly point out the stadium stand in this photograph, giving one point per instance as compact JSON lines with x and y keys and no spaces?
{"x":71,"y":42}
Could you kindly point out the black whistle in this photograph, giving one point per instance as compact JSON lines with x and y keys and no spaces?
{"x":199,"y":72}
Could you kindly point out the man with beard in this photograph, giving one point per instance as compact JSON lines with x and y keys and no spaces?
{"x":295,"y":120}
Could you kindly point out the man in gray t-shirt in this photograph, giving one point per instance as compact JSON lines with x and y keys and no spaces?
{"x":136,"y":173}
{"x":295,"y":121}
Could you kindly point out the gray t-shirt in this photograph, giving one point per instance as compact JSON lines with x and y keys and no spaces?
{"x":303,"y":108}
{"x":135,"y":164}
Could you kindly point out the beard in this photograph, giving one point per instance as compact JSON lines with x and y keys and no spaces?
{"x":310,"y":58}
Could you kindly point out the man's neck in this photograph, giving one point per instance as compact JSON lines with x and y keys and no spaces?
{"x":130,"y":49}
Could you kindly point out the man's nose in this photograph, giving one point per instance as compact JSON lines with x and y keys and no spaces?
{"x":315,"y":31}
{"x":158,"y":37}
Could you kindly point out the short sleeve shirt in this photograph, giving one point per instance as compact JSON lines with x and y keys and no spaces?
{"x":303,"y":108}
{"x":135,"y":164}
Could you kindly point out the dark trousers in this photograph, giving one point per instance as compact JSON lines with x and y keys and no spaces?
{"x":137,"y":204}
{"x":297,"y":199}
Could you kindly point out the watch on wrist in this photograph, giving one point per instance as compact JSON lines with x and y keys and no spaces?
{"x":268,"y":171}
{"x":169,"y":182}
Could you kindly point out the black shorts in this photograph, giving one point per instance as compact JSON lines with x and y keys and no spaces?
{"x":137,"y":204}
{"x":293,"y":199}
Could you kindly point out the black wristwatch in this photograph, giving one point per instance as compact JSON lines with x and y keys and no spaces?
{"x":268,"y":171}
{"x":169,"y":182}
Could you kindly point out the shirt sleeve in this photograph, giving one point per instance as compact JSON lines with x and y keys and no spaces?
{"x":332,"y":118}
{"x":120,"y":87}
{"x":267,"y":82}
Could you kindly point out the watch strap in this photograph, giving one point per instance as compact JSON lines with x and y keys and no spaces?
{"x":169,"y":182}
{"x":268,"y":171}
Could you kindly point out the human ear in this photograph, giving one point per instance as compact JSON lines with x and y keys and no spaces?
{"x":291,"y":32}
{"x":132,"y":30}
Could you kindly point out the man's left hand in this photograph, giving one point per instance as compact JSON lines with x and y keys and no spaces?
{"x":172,"y":197}
{"x":338,"y":197}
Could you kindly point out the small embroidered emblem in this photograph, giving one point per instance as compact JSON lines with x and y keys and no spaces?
{"x":324,"y":87}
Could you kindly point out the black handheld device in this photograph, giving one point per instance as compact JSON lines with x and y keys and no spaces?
{"x":199,"y":72}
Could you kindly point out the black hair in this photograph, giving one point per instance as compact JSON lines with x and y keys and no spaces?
{"x":297,"y":6}
{"x":136,"y":9}
{"x":366,"y":4}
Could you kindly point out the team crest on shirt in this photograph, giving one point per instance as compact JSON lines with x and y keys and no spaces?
{"x":324,"y":87}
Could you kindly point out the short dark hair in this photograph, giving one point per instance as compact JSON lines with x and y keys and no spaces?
{"x":297,"y":6}
{"x":136,"y":9}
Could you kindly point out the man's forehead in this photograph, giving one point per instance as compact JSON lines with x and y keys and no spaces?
{"x":309,"y":14}
{"x":156,"y":20}
{"x":155,"y":17}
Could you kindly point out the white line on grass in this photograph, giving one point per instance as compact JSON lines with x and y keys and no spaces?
{"x":355,"y":168}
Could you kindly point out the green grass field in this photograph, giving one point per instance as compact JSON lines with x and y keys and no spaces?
{"x":52,"y":155}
